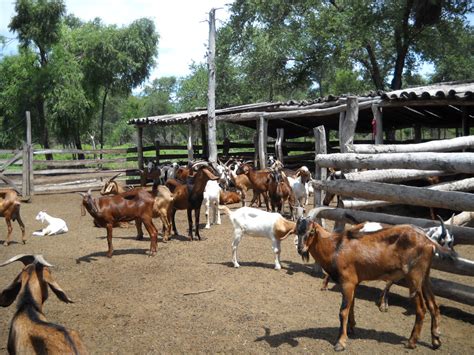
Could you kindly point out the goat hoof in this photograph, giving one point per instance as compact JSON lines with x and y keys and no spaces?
{"x":436,"y":343}
{"x":411,"y":345}
{"x":207,"y":227}
{"x":139,"y":237}
{"x":339,"y":347}
{"x":236,"y":265}
{"x":277,"y":267}
{"x":109,"y":255}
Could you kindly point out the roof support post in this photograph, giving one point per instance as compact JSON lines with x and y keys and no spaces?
{"x":190,"y":142}
{"x":349,"y":124}
{"x":279,"y":144}
{"x":211,"y":94}
{"x":262,"y":142}
{"x":140,"y":147}
{"x":377,"y":111}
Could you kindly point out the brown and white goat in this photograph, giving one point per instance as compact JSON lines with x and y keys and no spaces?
{"x":391,"y":254}
{"x":10,"y":210}
{"x":30,"y":332}
{"x":229,"y":197}
{"x":108,"y":211}
{"x":280,"y":192}
{"x":189,"y":196}
{"x":112,"y":187}
{"x":163,"y":208}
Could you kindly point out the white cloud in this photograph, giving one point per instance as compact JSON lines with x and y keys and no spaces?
{"x":181,"y":24}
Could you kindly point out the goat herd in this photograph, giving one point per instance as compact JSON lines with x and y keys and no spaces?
{"x":367,"y":251}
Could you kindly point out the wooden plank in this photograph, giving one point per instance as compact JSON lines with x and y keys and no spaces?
{"x":409,"y":195}
{"x":421,"y":102}
{"x":72,"y":163}
{"x":85,"y":151}
{"x":393,"y":175}
{"x":320,"y":173}
{"x":262,"y":143}
{"x":462,"y":235}
{"x":12,"y":160}
{"x":450,"y":162}
{"x":11,"y":184}
{"x":446,"y":145}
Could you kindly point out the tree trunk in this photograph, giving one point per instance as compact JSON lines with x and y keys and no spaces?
{"x":102,"y":115}
{"x":402,"y":43}
{"x":78,"y":145}
{"x":373,"y":68}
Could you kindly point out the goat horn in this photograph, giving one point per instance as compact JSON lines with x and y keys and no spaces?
{"x":198,"y":164}
{"x":443,"y":228}
{"x":115,"y":176}
{"x":27,"y":259}
{"x":451,"y":224}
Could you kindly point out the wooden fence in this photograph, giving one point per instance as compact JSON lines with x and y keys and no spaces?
{"x":377,"y":187}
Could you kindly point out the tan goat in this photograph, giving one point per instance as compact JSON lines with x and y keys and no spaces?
{"x":10,"y":210}
{"x":30,"y":332}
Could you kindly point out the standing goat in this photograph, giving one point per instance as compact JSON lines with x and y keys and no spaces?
{"x":10,"y":210}
{"x":391,"y":254}
{"x":260,"y":180}
{"x":258,"y":223}
{"x":55,"y":225}
{"x":211,"y":201}
{"x":108,"y":211}
{"x":30,"y":332}
{"x":189,"y":196}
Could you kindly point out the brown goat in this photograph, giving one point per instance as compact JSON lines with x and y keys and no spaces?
{"x":10,"y":210}
{"x":112,"y":187}
{"x":260,"y":180}
{"x":107,"y":211}
{"x":189,"y":196}
{"x":390,"y":254}
{"x":30,"y":332}
{"x":229,"y":197}
{"x":280,"y":191}
{"x":162,"y":208}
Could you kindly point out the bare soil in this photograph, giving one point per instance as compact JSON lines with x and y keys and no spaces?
{"x":135,"y":304}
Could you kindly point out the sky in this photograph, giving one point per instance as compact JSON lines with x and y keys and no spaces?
{"x":182,"y":25}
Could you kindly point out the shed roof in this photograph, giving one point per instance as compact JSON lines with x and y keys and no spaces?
{"x":438,"y":105}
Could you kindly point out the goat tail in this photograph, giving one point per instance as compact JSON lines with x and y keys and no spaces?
{"x":225,"y":209}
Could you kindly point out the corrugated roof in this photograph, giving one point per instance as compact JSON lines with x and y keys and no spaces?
{"x":451,"y":90}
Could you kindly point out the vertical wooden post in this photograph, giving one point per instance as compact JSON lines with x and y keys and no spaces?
{"x":378,"y":124}
{"x":256,"y":145}
{"x":342,"y":118}
{"x":140,"y":147}
{"x":157,"y":151}
{"x":465,"y":122}
{"x":279,"y":144}
{"x":211,"y":93}
{"x":205,"y":146}
{"x":190,"y":142}
{"x":262,"y":142}
{"x":320,"y":173}
{"x":350,"y":123}
{"x":417,"y":129}
{"x":27,"y":175}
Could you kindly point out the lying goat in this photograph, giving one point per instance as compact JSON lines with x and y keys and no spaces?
{"x":391,"y":254}
{"x":30,"y":332}
{"x":55,"y":225}
{"x":258,"y":223}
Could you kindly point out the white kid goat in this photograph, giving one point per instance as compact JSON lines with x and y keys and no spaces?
{"x":258,"y":223}
{"x":211,"y":201}
{"x":55,"y":225}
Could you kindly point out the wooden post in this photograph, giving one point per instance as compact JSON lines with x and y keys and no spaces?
{"x":279,"y":143}
{"x":27,"y":175}
{"x":211,"y":93}
{"x":157,"y":151}
{"x":140,"y":147}
{"x":465,"y":122}
{"x":417,"y":129}
{"x":378,"y":124}
{"x":190,"y":142}
{"x":205,"y":146}
{"x":255,"y":144}
{"x":350,"y":122}
{"x":342,"y":117}
{"x":262,"y":142}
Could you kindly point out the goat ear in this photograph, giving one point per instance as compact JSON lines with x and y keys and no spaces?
{"x":58,"y":291}
{"x":9,"y":294}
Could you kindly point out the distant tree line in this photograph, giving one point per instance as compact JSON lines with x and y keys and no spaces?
{"x":82,"y":81}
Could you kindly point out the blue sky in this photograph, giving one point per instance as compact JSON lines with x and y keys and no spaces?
{"x":182,"y":25}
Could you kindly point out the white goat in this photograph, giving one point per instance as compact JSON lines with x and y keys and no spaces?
{"x":258,"y":223}
{"x":169,"y":172}
{"x":55,"y":225}
{"x":299,"y":189}
{"x":211,"y":201}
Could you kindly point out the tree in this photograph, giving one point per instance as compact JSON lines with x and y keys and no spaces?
{"x":37,"y":23}
{"x":382,"y":39}
{"x":115,"y":60}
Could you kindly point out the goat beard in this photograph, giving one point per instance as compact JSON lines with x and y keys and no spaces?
{"x":305,"y":256}
{"x":83,"y":210}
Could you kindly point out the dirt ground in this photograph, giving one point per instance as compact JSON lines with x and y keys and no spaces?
{"x":135,"y":304}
